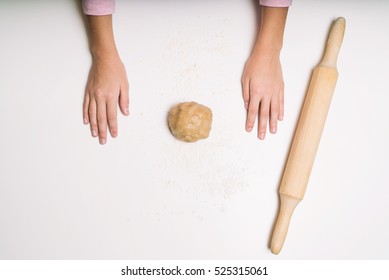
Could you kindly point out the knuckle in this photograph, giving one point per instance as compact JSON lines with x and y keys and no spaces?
{"x":112,"y":120}
{"x":252,"y":117}
{"x":274,"y":105}
{"x":253,"y":112}
{"x":99,"y":94}
{"x":100,"y":120}
{"x":264,"y":115}
{"x":93,"y":122}
{"x":255,"y":90}
{"x":274,"y":110}
{"x":250,"y":120}
{"x":253,"y":107}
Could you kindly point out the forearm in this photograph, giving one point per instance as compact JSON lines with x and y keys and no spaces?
{"x":102,"y":41}
{"x":271,"y":34}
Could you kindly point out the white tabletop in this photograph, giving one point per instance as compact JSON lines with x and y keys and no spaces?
{"x":146,"y":195}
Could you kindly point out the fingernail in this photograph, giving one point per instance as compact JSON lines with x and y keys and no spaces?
{"x":273,"y":129}
{"x":94,"y":133}
{"x":249,"y":129}
{"x":85,"y":121}
{"x":281,"y":118}
{"x":262,"y":136}
{"x":102,"y":141}
{"x":114,"y":134}
{"x":126,"y":111}
{"x":246,"y":105}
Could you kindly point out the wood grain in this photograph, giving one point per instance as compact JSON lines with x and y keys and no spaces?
{"x":308,"y":133}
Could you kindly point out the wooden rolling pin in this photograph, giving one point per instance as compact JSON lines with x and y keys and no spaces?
{"x":307,"y":136}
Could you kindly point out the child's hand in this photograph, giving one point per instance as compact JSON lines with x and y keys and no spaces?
{"x":107,"y":86}
{"x":263,"y":91}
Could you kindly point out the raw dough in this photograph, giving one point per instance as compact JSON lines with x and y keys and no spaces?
{"x":190,"y":121}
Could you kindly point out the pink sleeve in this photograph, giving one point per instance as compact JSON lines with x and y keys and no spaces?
{"x":276,"y":3}
{"x":98,"y":7}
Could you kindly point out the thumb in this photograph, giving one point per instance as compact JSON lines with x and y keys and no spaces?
{"x":124,"y":100}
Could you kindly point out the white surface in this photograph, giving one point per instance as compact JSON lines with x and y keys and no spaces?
{"x":146,"y":195}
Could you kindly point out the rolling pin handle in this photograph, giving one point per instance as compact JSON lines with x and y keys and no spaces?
{"x":288,"y":204}
{"x":334,"y":42}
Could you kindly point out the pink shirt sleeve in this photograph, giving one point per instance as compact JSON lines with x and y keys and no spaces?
{"x":98,"y":7}
{"x":275,"y":3}
{"x":107,"y":7}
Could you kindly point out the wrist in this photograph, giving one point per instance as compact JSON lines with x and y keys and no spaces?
{"x":267,"y":51}
{"x":104,"y":53}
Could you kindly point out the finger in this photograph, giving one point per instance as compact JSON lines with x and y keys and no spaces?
{"x":274,"y":108}
{"x":246,"y":92}
{"x":92,"y":117}
{"x":281,"y":104}
{"x":85,"y":113}
{"x":102,"y":121}
{"x":263,"y":117}
{"x":112,"y":118}
{"x":252,"y":113}
{"x":124,"y":99}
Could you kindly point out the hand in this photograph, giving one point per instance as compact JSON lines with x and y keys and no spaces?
{"x":263,"y":91}
{"x":107,"y":86}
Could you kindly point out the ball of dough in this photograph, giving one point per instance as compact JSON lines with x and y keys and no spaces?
{"x":190,"y":121}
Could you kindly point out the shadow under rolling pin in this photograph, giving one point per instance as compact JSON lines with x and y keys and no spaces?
{"x":308,"y":133}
